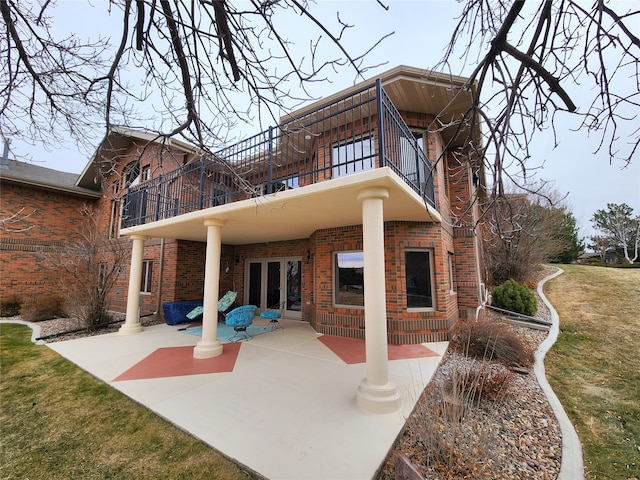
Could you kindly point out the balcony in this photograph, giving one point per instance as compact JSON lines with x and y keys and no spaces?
{"x":357,"y":133}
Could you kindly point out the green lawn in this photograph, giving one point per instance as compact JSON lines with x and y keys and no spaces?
{"x":594,"y":367}
{"x":58,"y":422}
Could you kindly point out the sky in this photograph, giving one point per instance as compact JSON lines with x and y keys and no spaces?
{"x":421,"y":30}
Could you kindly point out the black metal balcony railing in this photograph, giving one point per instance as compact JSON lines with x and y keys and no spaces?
{"x":358,"y":132}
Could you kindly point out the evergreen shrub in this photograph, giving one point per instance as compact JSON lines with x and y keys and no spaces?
{"x":514,"y":297}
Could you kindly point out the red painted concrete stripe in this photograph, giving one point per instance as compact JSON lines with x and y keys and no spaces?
{"x":179,"y":361}
{"x":352,"y":350}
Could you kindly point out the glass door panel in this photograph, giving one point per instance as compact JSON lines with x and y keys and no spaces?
{"x":255,"y":283}
{"x":273,"y":285}
{"x":294,"y":289}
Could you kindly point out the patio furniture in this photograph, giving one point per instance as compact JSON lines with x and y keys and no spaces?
{"x":181,"y":311}
{"x":225,"y":303}
{"x":240,"y":318}
{"x":273,"y":314}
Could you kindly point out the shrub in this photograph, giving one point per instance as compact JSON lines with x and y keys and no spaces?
{"x":491,"y":340}
{"x":10,"y":305}
{"x":42,"y":308}
{"x":478,"y":381}
{"x":514,"y":297}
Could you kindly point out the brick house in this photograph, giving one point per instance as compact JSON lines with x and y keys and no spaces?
{"x":40,"y":209}
{"x":350,"y":215}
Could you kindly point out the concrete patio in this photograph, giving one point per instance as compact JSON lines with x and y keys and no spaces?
{"x":283,"y":404}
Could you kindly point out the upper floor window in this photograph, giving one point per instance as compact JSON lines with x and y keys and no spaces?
{"x":146,"y":173}
{"x":131,"y":174}
{"x":418,"y":278}
{"x":354,"y":157}
{"x":349,"y":279}
{"x":414,"y":162}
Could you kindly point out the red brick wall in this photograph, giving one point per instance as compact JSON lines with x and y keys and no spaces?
{"x":403,"y":326}
{"x":28,"y":247}
{"x":465,"y":211}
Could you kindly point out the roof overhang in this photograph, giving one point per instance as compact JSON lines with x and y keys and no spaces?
{"x":447,"y":97}
{"x":115,"y":143}
{"x":296,"y":213}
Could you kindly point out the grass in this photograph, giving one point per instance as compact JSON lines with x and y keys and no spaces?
{"x":594,"y":367}
{"x":57,"y":421}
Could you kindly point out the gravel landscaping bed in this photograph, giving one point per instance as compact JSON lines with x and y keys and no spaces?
{"x":59,"y":329}
{"x":515,"y":437}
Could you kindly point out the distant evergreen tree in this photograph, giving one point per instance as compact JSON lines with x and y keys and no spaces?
{"x":568,"y":237}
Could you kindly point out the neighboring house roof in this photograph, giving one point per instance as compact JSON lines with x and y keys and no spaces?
{"x":41,"y":177}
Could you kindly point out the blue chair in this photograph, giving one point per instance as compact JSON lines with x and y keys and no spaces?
{"x":240,"y":318}
{"x":273,"y":314}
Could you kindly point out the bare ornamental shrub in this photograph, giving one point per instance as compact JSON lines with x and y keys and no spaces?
{"x":10,"y":305}
{"x":91,"y":262}
{"x":478,"y":382}
{"x":491,"y":340}
{"x":456,"y":437}
{"x":45,"y":307}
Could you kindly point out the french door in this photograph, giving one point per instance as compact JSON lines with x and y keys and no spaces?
{"x":275,"y":283}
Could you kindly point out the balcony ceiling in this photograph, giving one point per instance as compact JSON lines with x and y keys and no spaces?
{"x":295,"y":213}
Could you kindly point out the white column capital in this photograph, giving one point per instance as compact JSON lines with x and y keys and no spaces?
{"x":137,"y":236}
{"x":373,"y":192}
{"x":214,"y":222}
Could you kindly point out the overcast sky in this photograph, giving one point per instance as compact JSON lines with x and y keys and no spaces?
{"x":422,"y":29}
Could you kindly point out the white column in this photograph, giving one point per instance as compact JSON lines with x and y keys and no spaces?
{"x":376,"y":394}
{"x":209,"y":346}
{"x":132,"y":321}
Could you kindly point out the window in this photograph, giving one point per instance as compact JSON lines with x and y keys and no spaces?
{"x":145,"y":282}
{"x":349,"y":279}
{"x":452,"y":283}
{"x":146,"y":173}
{"x":354,"y":157}
{"x":415,"y":165}
{"x":114,"y":219}
{"x":419,"y":282}
{"x":131,"y":174}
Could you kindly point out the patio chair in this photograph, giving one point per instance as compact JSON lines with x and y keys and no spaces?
{"x":273,"y":314}
{"x":225,"y":303}
{"x":240,"y":318}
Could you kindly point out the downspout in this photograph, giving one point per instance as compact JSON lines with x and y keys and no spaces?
{"x":159,"y":298}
